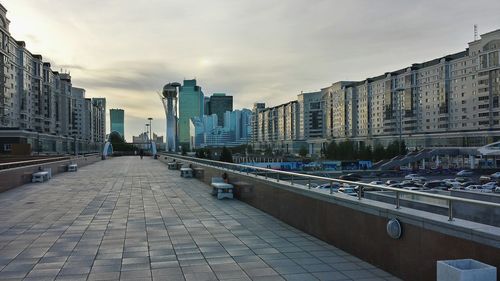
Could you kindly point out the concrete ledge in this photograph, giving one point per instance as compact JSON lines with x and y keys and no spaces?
{"x":14,"y":177}
{"x":359,"y":226}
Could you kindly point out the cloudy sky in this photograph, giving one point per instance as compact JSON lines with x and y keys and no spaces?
{"x":255,"y":50}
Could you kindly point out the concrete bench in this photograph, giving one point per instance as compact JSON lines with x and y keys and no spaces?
{"x":186,"y":172}
{"x":72,"y":167}
{"x":40,"y":176}
{"x":172,"y":165}
{"x":221,"y":189}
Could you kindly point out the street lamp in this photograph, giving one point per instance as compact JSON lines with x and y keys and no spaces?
{"x":150,"y":133}
{"x":147,"y":131}
{"x":400,"y":92}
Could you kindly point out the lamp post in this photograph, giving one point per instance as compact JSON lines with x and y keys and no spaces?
{"x":150,"y":133}
{"x":147,"y":135}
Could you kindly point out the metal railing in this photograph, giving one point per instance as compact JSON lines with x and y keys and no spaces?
{"x":266,"y":172}
{"x":16,"y":164}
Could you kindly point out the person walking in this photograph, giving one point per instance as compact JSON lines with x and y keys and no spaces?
{"x":141,"y":153}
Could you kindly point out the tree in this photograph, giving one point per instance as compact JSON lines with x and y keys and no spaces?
{"x":378,"y":152}
{"x":331,"y":151}
{"x":303,"y":151}
{"x":403,"y":148}
{"x":184,"y":149}
{"x":226,"y":156}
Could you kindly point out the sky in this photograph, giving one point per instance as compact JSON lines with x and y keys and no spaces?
{"x":256,"y":50}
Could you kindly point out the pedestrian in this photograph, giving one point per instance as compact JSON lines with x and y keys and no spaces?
{"x":141,"y":152}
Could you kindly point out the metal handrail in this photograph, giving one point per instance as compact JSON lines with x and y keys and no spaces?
{"x":9,"y":165}
{"x":398,"y":191}
{"x":31,"y":162}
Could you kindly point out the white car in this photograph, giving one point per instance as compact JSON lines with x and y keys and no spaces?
{"x":452,"y":182}
{"x":413,"y":188}
{"x":475,"y":187}
{"x":411,"y":176}
{"x":465,"y":173}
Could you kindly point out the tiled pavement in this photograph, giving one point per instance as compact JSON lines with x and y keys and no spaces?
{"x":132,"y":219}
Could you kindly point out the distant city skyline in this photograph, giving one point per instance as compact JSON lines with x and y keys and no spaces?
{"x":270,"y":51}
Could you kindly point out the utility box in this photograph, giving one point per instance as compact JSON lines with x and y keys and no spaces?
{"x":465,"y":270}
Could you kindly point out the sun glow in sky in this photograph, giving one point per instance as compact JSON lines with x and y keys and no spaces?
{"x":255,"y":50}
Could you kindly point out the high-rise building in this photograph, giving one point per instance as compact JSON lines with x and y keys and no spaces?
{"x":40,"y":107}
{"x":191,"y":104}
{"x":219,"y":104}
{"x":117,"y":121}
{"x":99,"y":119}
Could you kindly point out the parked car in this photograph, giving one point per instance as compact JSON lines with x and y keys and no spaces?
{"x":497,"y":189}
{"x":484,"y":179}
{"x":462,"y":179}
{"x":467,"y":183}
{"x":437,"y":184}
{"x":312,"y":185}
{"x":413,"y":188}
{"x":419,"y":179}
{"x":376,"y":182}
{"x":452,"y":182}
{"x":495,"y":176}
{"x":350,"y":177}
{"x":465,"y":173}
{"x":490,"y":185}
{"x":411,"y":176}
{"x":348,"y":191}
{"x":474,"y":187}
{"x":335,"y":186}
{"x":389,"y":182}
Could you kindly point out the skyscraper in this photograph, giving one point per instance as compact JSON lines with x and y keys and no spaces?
{"x":191,"y":103}
{"x":117,"y":121}
{"x":219,"y":104}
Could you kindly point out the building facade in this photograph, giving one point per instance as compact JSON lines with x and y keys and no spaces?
{"x":40,"y":107}
{"x":449,"y":101}
{"x":117,"y":121}
{"x":191,"y":104}
{"x":219,"y":104}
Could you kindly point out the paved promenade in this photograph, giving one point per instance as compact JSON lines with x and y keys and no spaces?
{"x":132,"y":219}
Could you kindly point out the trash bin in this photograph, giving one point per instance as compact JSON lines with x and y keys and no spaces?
{"x":465,"y":270}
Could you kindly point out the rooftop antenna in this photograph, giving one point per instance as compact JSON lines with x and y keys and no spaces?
{"x":475,"y":33}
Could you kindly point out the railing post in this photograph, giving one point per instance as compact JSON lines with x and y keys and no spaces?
{"x":360,"y":189}
{"x":278,"y":177}
{"x":450,"y":210}
{"x":265,"y":173}
{"x":397,"y":199}
{"x":331,"y":187}
{"x":309,"y":184}
{"x":291,"y":181}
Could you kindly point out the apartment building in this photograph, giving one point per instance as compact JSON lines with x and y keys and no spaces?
{"x":448,"y":101}
{"x":39,"y":106}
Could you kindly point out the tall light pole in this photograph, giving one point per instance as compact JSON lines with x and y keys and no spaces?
{"x":150,"y":133}
{"x":147,"y":133}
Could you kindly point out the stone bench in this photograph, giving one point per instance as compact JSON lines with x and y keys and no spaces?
{"x":186,"y":172}
{"x":72,"y":167}
{"x":221,"y":189}
{"x":40,"y":176}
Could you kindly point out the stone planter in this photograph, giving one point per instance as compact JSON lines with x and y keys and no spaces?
{"x":465,"y":270}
